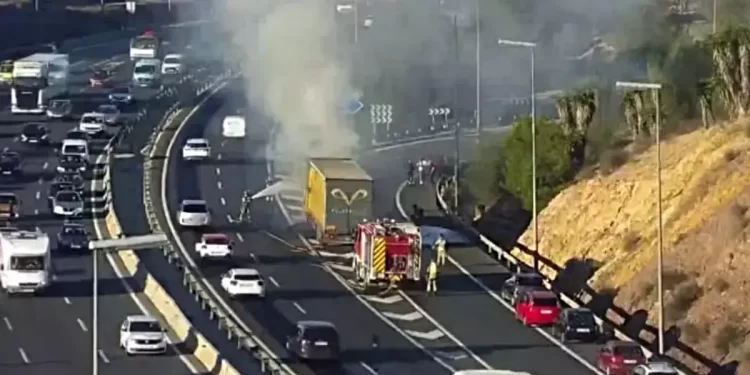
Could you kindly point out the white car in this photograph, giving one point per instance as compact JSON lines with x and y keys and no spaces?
{"x":194,"y":213}
{"x":196,"y":149}
{"x":142,"y":334}
{"x":109,"y":113}
{"x":243,"y":282}
{"x":92,"y":123}
{"x":214,"y":246}
{"x":233,"y":127}
{"x":173,"y":64}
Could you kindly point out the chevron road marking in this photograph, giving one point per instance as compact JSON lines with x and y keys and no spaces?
{"x":453,"y":356}
{"x":410,"y":317}
{"x":385,"y":300}
{"x":340,"y":267}
{"x":328,"y":254}
{"x":431,"y":335}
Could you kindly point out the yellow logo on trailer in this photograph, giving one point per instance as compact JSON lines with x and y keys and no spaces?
{"x":6,"y":71}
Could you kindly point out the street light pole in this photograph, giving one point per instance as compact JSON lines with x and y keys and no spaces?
{"x":95,"y":320}
{"x":478,"y":118}
{"x":713,"y":18}
{"x":655,"y":88}
{"x":531,"y":47}
{"x":356,"y":22}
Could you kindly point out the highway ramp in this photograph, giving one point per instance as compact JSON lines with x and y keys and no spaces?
{"x":51,"y":333}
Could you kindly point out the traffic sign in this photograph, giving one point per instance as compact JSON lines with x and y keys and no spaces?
{"x":353,"y":106}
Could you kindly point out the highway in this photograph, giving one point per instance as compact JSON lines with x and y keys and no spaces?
{"x":298,"y":287}
{"x":51,"y":333}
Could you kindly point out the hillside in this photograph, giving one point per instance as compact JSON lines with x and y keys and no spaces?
{"x":706,"y":193}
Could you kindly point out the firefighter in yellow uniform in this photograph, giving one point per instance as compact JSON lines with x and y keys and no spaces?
{"x":432,"y":272}
{"x":440,"y":244}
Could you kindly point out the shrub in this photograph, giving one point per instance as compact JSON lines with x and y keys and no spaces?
{"x":683,"y":297}
{"x":693,"y":332}
{"x":611,"y":160}
{"x":727,"y":337}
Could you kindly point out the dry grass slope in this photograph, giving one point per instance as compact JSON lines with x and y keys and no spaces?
{"x":706,"y":194}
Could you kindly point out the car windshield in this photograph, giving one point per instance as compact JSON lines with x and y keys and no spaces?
{"x":60,"y":186}
{"x":72,"y":231}
{"x":145,"y":327}
{"x":59,"y":104}
{"x":327,"y":334}
{"x":198,"y":144}
{"x":629,"y":351}
{"x":194,"y":208}
{"x":71,"y":159}
{"x":76,"y":135}
{"x":33,"y":129}
{"x":144,"y":42}
{"x":121,"y":90}
{"x":27,"y":263}
{"x":216,"y":240}
{"x":74,"y":149}
{"x":245,"y":277}
{"x":5,"y":199}
{"x":144,"y":69}
{"x":91,"y":119}
{"x":68,"y":196}
{"x":172,"y":60}
{"x":530,"y":281}
{"x":581,"y":319}
{"x":545,"y":302}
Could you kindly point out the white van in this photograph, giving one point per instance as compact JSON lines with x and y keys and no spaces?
{"x":233,"y":127}
{"x":147,"y":73}
{"x":78,"y":147}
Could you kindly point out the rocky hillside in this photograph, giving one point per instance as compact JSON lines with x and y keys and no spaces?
{"x":612,"y":220}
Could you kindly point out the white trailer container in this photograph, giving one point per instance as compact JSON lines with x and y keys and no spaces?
{"x":25,"y":261}
{"x":37,"y":79}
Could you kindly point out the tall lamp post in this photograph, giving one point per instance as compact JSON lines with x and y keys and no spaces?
{"x":531,"y":47}
{"x":478,"y":30}
{"x":655,"y":89}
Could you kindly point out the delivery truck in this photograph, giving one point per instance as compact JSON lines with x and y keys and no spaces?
{"x":338,"y":196}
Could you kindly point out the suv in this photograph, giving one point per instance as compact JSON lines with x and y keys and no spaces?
{"x":620,"y":357}
{"x":213,"y":246}
{"x":537,"y":308}
{"x":194,"y":213}
{"x":314,"y":340}
{"x":576,"y":324}
{"x":142,"y":334}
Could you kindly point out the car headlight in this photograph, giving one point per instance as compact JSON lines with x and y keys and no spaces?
{"x":60,"y":169}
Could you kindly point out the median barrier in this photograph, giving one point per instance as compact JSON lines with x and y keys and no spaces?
{"x":549,"y":271}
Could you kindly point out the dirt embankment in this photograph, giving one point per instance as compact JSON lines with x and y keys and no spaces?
{"x":612,"y":220}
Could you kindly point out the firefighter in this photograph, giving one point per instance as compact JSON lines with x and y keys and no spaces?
{"x":420,"y":170}
{"x":247,"y":199}
{"x":432,"y":272}
{"x":410,"y":172}
{"x":440,"y":244}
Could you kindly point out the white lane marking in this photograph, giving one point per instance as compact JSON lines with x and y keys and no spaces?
{"x":408,"y":317}
{"x":368,"y":368}
{"x":40,"y":181}
{"x":395,"y":298}
{"x":299,"y":307}
{"x":82,"y":324}
{"x":254,"y":258}
{"x":36,"y":211}
{"x":24,"y":356}
{"x":218,"y":171}
{"x":103,"y":356}
{"x":38,"y":194}
{"x":229,"y":218}
{"x":219,"y":185}
{"x":67,"y":301}
{"x":239,"y":237}
{"x":495,"y":296}
{"x":430,"y":335}
{"x":7,"y":323}
{"x":46,"y":165}
{"x":283,"y":241}
{"x":273,"y":281}
{"x":218,"y":156}
{"x":223,"y":201}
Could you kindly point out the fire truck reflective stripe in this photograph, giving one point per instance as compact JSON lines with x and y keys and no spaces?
{"x":378,"y":255}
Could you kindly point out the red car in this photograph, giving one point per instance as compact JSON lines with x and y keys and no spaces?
{"x":537,"y":308}
{"x":620,"y":357}
{"x":99,"y":78}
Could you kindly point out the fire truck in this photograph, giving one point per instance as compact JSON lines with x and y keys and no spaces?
{"x":387,"y":252}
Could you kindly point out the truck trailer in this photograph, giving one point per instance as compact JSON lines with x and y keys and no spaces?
{"x":37,"y":79}
{"x":338,"y":196}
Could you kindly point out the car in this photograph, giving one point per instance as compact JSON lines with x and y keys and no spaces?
{"x":59,"y":108}
{"x":618,"y":357}
{"x":77,"y":135}
{"x":243,"y":282}
{"x":233,"y":127}
{"x":109,"y":112}
{"x":121,"y":95}
{"x":314,"y":340}
{"x":10,"y":164}
{"x":73,"y":178}
{"x":213,"y":246}
{"x":71,"y":164}
{"x":194,"y":213}
{"x":576,"y":324}
{"x":56,"y":187}
{"x":537,"y":308}
{"x":173,"y":64}
{"x":99,"y":78}
{"x":10,"y":206}
{"x":78,"y":147}
{"x":92,"y":123}
{"x":196,"y":149}
{"x":72,"y":236}
{"x":655,"y":367}
{"x":514,"y":285}
{"x":67,"y":203}
{"x":35,"y":133}
{"x":142,"y":334}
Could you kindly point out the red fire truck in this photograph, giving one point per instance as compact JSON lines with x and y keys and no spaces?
{"x":387,"y":252}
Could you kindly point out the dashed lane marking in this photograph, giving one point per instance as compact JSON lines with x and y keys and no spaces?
{"x":103,"y":356}
{"x":239,"y":237}
{"x":82,"y":325}
{"x":46,"y":165}
{"x":67,"y":301}
{"x":218,"y":171}
{"x":7,"y":323}
{"x":24,"y":356}
{"x":219,"y":185}
{"x":38,"y":194}
{"x":273,"y":281}
{"x":299,"y":307}
{"x":223,"y":201}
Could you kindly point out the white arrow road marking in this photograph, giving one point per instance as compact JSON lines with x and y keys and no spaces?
{"x":452,"y":356}
{"x":340,"y":267}
{"x":432,"y":335}
{"x":385,"y":300}
{"x":410,"y":317}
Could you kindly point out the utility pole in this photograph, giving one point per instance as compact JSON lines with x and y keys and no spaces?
{"x":456,"y":166}
{"x":478,"y":112}
{"x":456,"y":65}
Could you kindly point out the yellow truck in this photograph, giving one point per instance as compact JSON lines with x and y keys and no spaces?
{"x":6,"y":71}
{"x":9,"y":207}
{"x":338,"y":196}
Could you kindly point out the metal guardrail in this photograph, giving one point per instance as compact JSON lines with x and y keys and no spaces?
{"x":193,"y":278}
{"x":512,"y":262}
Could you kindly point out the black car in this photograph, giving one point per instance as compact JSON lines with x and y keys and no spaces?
{"x":576,"y":324}
{"x":56,"y":187}
{"x":77,"y":134}
{"x":518,"y":282}
{"x":314,"y":341}
{"x":10,"y":164}
{"x":73,"y":178}
{"x":34,"y":133}
{"x":71,"y":164}
{"x":72,"y":237}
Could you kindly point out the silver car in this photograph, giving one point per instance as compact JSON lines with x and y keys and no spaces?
{"x":194,"y":213}
{"x":67,"y":203}
{"x":109,"y":112}
{"x":59,"y":108}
